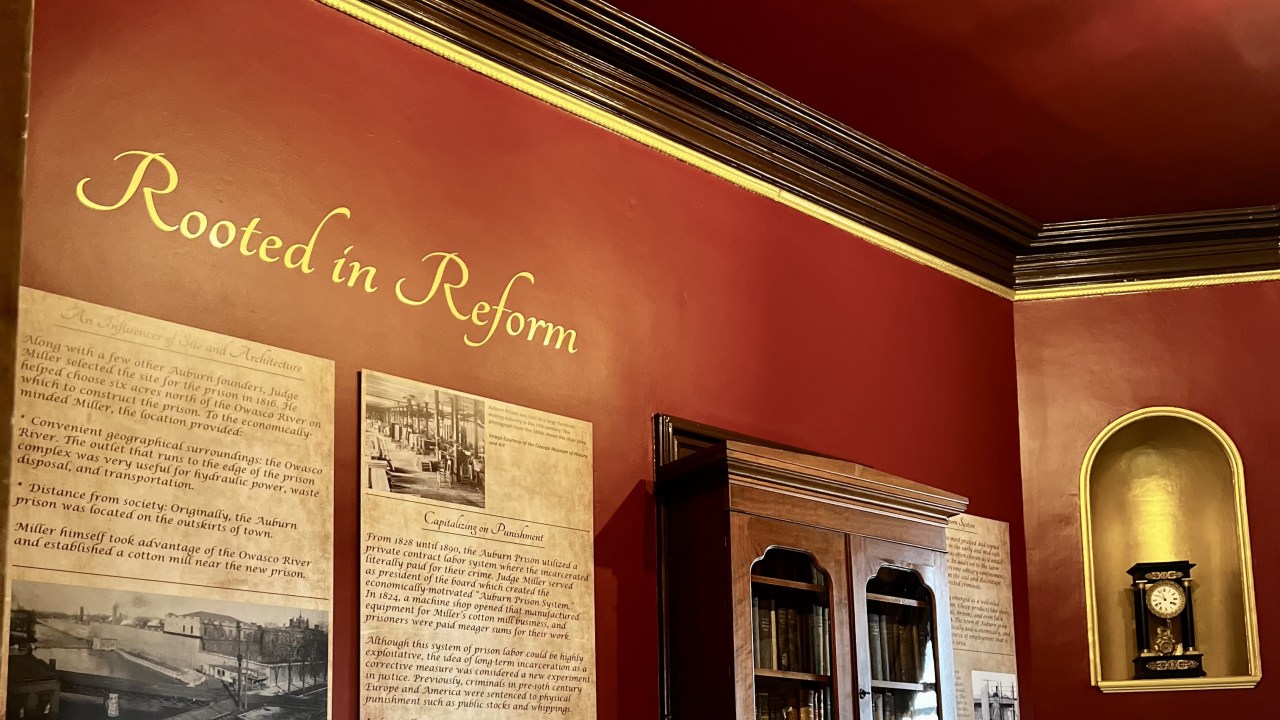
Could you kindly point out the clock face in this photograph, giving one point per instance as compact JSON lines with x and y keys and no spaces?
{"x":1166,"y":599}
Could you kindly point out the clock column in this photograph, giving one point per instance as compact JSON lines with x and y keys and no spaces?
{"x":1140,"y":616}
{"x":1188,"y":622}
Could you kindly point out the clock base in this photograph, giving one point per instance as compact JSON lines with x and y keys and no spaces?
{"x":1154,"y":667}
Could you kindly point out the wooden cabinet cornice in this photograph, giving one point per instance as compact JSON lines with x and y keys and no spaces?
{"x":844,"y":563}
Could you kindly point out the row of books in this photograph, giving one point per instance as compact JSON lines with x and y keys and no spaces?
{"x":889,"y":705}
{"x":900,"y":645}
{"x":791,"y":639}
{"x":795,"y":704}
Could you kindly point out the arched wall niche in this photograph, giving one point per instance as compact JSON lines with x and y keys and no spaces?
{"x":1166,"y":483}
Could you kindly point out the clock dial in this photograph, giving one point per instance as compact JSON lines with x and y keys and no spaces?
{"x":1166,"y":599}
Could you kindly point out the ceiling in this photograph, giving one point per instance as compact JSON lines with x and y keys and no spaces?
{"x":1061,"y":109}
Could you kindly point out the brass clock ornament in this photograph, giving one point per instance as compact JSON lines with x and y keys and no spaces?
{"x":1161,"y":595}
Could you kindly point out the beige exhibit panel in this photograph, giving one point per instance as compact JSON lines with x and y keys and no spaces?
{"x":172,"y":506}
{"x":476,"y":557}
{"x":982,"y":631}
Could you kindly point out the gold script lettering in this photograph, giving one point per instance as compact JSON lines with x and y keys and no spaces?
{"x":135,"y":182}
{"x":484,"y":314}
{"x":305,"y":261}
{"x":446,"y":259}
{"x":497,"y":311}
{"x":451,"y":274}
{"x":196,"y":224}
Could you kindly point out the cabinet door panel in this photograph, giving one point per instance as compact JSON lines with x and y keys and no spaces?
{"x":796,"y":658}
{"x":902,"y":624}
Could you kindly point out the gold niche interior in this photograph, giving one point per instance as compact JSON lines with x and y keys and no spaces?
{"x":1165,"y":483}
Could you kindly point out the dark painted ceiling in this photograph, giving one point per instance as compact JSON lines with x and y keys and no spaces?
{"x":1061,"y":109}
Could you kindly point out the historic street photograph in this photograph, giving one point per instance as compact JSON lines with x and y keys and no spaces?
{"x":423,"y":441}
{"x":995,"y":696}
{"x":81,"y":653}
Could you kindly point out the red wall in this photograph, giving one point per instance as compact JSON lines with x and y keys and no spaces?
{"x":1085,"y":362}
{"x":690,"y":296}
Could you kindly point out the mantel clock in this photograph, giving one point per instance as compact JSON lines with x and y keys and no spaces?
{"x":1161,"y":595}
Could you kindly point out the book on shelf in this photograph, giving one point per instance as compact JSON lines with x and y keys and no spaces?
{"x":804,"y":633}
{"x":795,"y":640}
{"x":889,"y":706}
{"x":782,"y":632}
{"x":815,"y":639}
{"x":899,"y":642}
{"x":773,"y":635}
{"x":824,"y":640}
{"x":782,"y":708}
{"x":884,"y":646}
{"x":777,"y":709}
{"x":763,"y":620}
{"x":819,"y":665}
{"x":916,"y":668}
{"x":826,"y":637}
{"x":793,"y":704}
{"x":875,"y":646}
{"x":906,"y":662}
{"x":894,"y":648}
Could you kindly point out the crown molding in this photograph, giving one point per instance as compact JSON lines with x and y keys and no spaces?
{"x":618,"y":67}
{"x":616,"y":63}
{"x":1211,"y":225}
{"x":1153,"y":247}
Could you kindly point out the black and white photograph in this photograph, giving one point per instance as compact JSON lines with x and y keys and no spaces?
{"x":423,"y":441}
{"x":77,"y":653}
{"x":995,"y":696}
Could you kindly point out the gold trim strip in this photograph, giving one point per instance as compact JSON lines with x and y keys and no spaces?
{"x":1238,"y":682}
{"x":417,"y":36}
{"x":1143,"y":286}
{"x":1243,"y":549}
{"x":552,"y":96}
{"x":887,"y":242}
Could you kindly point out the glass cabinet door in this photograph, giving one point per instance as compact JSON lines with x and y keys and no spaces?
{"x":791,"y":637}
{"x":904,"y":672}
{"x":905,"y":627}
{"x":794,"y":633}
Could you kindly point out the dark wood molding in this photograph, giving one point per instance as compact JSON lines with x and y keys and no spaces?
{"x":1151,"y":247}
{"x":1209,"y":226}
{"x":614,"y":62}
{"x":675,"y":438}
{"x":618,"y":64}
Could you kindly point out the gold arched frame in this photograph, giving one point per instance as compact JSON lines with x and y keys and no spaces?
{"x":1254,"y":655}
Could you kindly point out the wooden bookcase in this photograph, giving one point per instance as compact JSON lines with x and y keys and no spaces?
{"x":797,"y":587}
